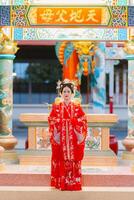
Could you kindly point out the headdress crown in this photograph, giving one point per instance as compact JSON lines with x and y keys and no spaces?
{"x":60,"y":84}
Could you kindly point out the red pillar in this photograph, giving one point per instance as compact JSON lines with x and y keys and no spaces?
{"x":110,"y":104}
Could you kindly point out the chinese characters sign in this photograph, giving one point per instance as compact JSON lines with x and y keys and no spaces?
{"x":35,"y":15}
{"x":68,"y":16}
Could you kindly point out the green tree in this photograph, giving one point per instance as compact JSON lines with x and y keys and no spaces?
{"x":40,"y":72}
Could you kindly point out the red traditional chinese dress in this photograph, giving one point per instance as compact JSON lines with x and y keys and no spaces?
{"x":68,"y":126}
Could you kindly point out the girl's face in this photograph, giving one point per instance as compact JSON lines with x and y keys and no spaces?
{"x":66,"y":94}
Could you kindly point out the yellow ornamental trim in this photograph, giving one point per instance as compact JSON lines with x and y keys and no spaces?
{"x":57,"y":100}
{"x":85,"y":47}
{"x":129,"y":46}
{"x":7,"y":46}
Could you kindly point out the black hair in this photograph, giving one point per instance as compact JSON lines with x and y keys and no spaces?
{"x":69,"y":85}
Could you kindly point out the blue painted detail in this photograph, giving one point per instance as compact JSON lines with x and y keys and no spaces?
{"x":130,"y":57}
{"x":95,"y":76}
{"x":7,"y":56}
{"x":79,"y":72}
{"x":101,"y":93}
{"x":122,"y":2}
{"x":122,"y":34}
{"x":98,"y":104}
{"x":87,"y":58}
{"x":57,"y":46}
{"x":67,"y":52}
{"x":102,"y":46}
{"x":18,"y":2}
{"x":3,"y":94}
{"x":5,"y":16}
{"x":97,"y":72}
{"x":18,"y":34}
{"x":93,"y":81}
{"x":131,"y":16}
{"x":77,"y":94}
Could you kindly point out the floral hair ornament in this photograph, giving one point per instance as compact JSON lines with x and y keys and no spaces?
{"x":58,"y":87}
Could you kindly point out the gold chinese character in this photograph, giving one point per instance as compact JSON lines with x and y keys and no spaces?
{"x":61,"y":16}
{"x":47,"y":15}
{"x":91,"y":16}
{"x":76,"y":16}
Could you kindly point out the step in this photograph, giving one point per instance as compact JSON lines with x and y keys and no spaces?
{"x":48,"y":193}
{"x":18,"y":175}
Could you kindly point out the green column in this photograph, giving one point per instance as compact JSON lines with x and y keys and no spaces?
{"x":7,"y":140}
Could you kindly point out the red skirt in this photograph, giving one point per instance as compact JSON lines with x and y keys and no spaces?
{"x":66,"y":175}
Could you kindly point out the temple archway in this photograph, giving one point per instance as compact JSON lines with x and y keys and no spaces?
{"x":21,"y":29}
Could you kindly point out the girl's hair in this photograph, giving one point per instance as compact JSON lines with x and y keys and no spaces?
{"x":69,"y":85}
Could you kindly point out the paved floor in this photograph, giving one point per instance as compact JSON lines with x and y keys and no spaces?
{"x":47,"y":193}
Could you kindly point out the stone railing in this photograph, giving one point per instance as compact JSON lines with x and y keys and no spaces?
{"x":38,"y":135}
